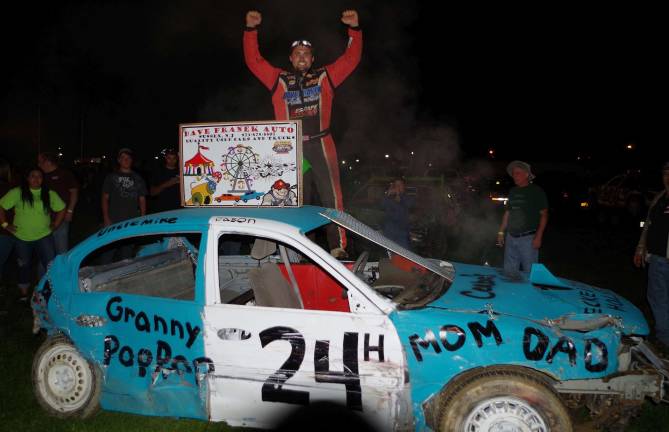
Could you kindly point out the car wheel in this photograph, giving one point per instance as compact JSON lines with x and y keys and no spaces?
{"x":64,"y":382}
{"x":502,"y":399}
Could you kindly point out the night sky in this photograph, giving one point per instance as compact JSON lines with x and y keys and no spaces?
{"x":539,"y":83}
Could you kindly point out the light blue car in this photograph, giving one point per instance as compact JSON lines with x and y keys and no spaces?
{"x":236,"y":315}
{"x":252,"y":196}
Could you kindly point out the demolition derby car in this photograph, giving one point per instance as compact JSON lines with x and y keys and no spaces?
{"x":237,"y":315}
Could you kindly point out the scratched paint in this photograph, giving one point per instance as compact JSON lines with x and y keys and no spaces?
{"x":246,"y":365}
{"x":488,"y":319}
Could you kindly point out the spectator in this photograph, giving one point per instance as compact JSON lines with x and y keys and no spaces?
{"x":396,"y":206}
{"x":66,"y":186}
{"x":165,"y":183}
{"x":123,"y":197}
{"x":6,"y":238}
{"x":33,"y":204}
{"x":123,"y":192}
{"x":524,"y":221}
{"x":653,"y":248}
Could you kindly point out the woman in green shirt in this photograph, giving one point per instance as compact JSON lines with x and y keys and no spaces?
{"x":33,"y":205}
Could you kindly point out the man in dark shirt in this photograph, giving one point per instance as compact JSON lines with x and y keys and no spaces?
{"x":165,"y":184}
{"x":653,"y":248}
{"x":66,"y":186}
{"x":524,"y":220}
{"x":396,"y":206}
{"x":123,"y":192}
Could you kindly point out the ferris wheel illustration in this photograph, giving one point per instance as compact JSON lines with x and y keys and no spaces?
{"x":238,"y":166}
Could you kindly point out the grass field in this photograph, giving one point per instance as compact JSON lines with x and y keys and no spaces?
{"x":592,"y":254}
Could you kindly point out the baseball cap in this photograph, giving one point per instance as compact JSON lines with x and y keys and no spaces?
{"x":522,"y":165}
{"x":125,"y":150}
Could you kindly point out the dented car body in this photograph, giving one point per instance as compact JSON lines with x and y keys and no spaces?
{"x":236,"y":315}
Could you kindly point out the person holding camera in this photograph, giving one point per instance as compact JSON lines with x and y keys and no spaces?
{"x":396,"y":206}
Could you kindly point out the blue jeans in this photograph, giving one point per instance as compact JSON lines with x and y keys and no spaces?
{"x":24,"y":251}
{"x":658,"y":295}
{"x":60,"y":237}
{"x":60,"y":241}
{"x":519,"y":255}
{"x":6,"y":246}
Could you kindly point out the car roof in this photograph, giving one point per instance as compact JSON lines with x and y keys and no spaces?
{"x":305,"y":218}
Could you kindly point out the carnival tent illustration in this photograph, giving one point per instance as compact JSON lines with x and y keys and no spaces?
{"x":199,"y":164}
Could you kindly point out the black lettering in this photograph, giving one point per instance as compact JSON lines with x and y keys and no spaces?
{"x":110,"y":348}
{"x":443,"y":336}
{"x":102,"y":232}
{"x":604,"y":360}
{"x":119,"y":310}
{"x":483,"y":296}
{"x":146,"y":222}
{"x":134,"y":223}
{"x":349,"y":376}
{"x":591,"y":310}
{"x":272,"y":389}
{"x":164,"y":220}
{"x":378,"y":348}
{"x":181,"y":360}
{"x":127,"y":362}
{"x":158,"y":319}
{"x":163,"y":354}
{"x":128,"y":313}
{"x":564,"y":345}
{"x":142,"y":322}
{"x":416,"y":340}
{"x":144,"y":359}
{"x":192,"y":334}
{"x":483,"y":284}
{"x":174,"y":325}
{"x":490,"y":329}
{"x":537,"y":353}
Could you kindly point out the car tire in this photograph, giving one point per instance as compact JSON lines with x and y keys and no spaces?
{"x":502,"y":398}
{"x":65,"y":383}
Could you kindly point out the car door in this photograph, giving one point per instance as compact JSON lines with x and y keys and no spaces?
{"x":269,"y":361}
{"x":143,"y":331}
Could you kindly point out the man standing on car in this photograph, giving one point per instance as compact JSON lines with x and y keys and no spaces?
{"x":524,"y":220}
{"x":306,"y":93}
{"x":653,"y":248}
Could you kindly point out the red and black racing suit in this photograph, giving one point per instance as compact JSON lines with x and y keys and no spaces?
{"x":309,"y":97}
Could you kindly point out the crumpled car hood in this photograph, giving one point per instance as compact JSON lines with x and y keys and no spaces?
{"x":549,"y":299}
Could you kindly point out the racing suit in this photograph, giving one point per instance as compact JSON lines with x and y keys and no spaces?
{"x":308,"y":97}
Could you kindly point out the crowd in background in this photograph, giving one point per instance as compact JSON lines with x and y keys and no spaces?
{"x":39,"y":203}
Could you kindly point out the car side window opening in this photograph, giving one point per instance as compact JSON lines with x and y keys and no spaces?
{"x":256,"y":271}
{"x":161,"y":265}
{"x":406,"y":282}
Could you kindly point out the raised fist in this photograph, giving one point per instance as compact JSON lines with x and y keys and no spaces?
{"x":253,"y":19}
{"x":350,"y":18}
